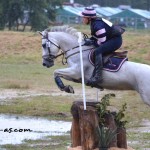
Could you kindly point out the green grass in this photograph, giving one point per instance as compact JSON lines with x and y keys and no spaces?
{"x":49,"y":143}
{"x":43,"y":106}
{"x":24,"y":75}
{"x":27,"y":76}
{"x":138,"y":140}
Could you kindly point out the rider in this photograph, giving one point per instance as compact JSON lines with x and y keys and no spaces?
{"x":103,"y":37}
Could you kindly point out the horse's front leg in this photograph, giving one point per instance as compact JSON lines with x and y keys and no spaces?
{"x":62,"y":87}
{"x":71,"y":74}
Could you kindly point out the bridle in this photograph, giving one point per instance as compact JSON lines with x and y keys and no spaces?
{"x":48,"y":45}
{"x":52,"y":57}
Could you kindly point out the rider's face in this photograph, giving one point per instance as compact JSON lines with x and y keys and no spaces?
{"x":85,"y":20}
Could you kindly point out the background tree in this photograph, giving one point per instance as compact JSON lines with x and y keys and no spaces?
{"x":53,"y":4}
{"x":37,"y":14}
{"x":40,"y":12}
{"x":2,"y":21}
{"x":11,"y":11}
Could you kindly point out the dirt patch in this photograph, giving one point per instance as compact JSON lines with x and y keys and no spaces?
{"x":8,"y":94}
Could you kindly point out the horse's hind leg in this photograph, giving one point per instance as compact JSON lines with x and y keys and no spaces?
{"x":145,"y":95}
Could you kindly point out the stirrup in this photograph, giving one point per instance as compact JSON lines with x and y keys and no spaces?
{"x":88,"y":83}
{"x":94,"y":83}
{"x":95,"y":80}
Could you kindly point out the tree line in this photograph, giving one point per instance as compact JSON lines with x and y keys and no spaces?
{"x":37,"y":13}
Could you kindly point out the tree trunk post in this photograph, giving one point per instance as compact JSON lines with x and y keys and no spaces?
{"x":121,"y":138}
{"x":88,"y":125}
{"x":75,"y":129}
{"x":110,"y":123}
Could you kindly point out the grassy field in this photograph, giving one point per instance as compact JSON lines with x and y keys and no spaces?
{"x":21,"y":71}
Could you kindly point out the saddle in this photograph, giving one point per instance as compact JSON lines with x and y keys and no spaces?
{"x":115,"y":54}
{"x":111,"y":62}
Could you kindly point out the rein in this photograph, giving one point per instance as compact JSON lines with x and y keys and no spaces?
{"x":77,"y":52}
{"x":63,"y":53}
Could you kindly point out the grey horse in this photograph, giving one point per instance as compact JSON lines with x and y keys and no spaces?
{"x":63,"y":40}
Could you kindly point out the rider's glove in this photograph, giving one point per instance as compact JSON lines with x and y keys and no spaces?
{"x":88,"y":41}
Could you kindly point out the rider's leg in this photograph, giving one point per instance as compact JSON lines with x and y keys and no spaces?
{"x":97,"y":73}
{"x":107,"y":47}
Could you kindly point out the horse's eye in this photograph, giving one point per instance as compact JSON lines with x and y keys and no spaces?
{"x":44,"y":45}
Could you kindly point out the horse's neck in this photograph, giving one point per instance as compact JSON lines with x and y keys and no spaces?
{"x":70,"y":45}
{"x":66,"y":41}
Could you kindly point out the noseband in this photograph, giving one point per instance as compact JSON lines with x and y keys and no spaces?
{"x":48,"y":44}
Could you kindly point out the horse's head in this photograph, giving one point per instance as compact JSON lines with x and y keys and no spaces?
{"x":56,"y":38}
{"x":50,"y":48}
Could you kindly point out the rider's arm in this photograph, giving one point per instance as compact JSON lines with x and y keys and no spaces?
{"x":100,"y":32}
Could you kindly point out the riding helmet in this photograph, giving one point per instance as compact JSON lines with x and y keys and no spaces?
{"x":89,"y":12}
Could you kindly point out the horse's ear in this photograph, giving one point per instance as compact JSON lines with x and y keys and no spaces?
{"x":40,"y":32}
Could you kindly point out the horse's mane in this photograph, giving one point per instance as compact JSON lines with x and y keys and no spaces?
{"x":65,"y":28}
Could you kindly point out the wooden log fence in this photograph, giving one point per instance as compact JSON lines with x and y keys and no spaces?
{"x":84,"y":127}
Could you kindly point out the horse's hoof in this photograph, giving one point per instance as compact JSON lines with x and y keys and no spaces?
{"x":68,"y":89}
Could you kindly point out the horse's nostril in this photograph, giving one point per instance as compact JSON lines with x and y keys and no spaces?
{"x":44,"y":64}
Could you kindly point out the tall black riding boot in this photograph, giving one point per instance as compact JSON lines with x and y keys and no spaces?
{"x":97,"y":78}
